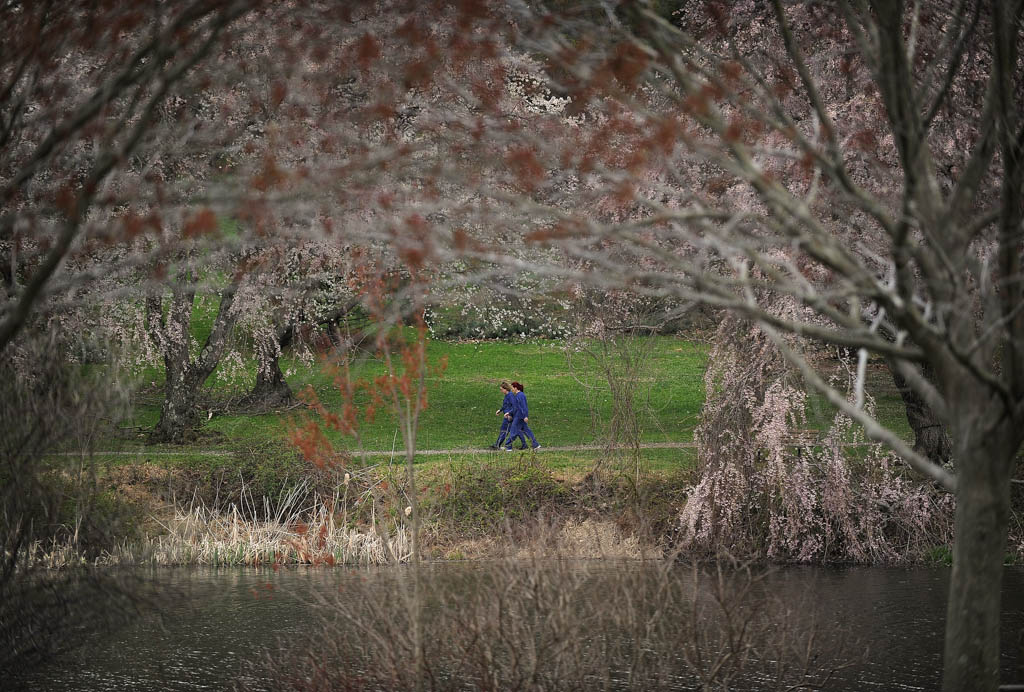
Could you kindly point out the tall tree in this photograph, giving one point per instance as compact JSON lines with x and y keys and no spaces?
{"x":862,"y":159}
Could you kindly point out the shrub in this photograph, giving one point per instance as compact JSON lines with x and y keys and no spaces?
{"x":484,"y":498}
{"x":528,"y":625}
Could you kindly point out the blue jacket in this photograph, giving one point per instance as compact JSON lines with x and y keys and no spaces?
{"x":508,"y":403}
{"x":519,"y":408}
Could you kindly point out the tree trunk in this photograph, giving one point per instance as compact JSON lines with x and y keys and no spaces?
{"x":177,"y":413}
{"x":271,"y":389}
{"x":930,"y":436}
{"x":183,"y":376}
{"x":971,"y":660}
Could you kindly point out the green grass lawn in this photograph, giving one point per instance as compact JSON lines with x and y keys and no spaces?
{"x":568,"y":405}
{"x":569,"y":398}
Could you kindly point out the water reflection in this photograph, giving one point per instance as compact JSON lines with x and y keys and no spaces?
{"x":227,"y":616}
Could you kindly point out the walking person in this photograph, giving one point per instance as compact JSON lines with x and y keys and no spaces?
{"x":520,"y":418}
{"x":506,"y":415}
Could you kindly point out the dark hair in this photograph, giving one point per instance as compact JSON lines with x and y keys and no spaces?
{"x":518,"y":386}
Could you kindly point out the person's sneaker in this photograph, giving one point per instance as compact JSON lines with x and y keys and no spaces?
{"x":536,"y":446}
{"x":492,"y":447}
{"x":508,"y":449}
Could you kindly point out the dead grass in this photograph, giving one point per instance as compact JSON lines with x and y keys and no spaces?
{"x":488,"y":511}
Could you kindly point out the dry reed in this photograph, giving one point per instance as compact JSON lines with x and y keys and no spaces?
{"x":291,"y":534}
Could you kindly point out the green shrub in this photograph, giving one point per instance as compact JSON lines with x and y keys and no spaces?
{"x":482,"y":498}
{"x":939,"y":555}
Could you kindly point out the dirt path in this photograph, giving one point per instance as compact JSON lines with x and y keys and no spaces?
{"x":545,"y":448}
{"x":399,"y":452}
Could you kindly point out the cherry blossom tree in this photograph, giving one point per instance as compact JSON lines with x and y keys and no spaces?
{"x":89,"y":95}
{"x":87,"y":91}
{"x":200,"y":153}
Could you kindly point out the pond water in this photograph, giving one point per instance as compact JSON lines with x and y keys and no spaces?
{"x":225,"y":617}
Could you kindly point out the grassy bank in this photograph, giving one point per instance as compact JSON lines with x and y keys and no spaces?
{"x":570,"y":404}
{"x":473,"y":506}
{"x":237,"y":492}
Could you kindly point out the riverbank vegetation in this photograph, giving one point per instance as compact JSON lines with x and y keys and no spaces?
{"x":241,"y":493}
{"x":683,"y":229}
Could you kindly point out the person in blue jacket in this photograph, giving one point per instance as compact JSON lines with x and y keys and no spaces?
{"x":506,"y":415}
{"x":520,"y":418}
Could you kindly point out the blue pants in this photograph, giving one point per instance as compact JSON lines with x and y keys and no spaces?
{"x":521,"y":430}
{"x":506,"y":425}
